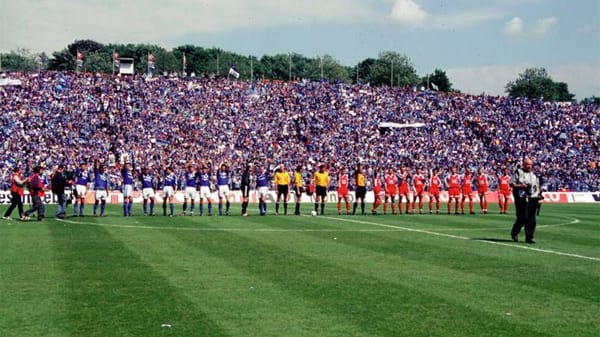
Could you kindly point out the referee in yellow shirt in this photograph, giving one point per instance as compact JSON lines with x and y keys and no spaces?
{"x":322,"y":185}
{"x":298,"y":187}
{"x":282,"y":181}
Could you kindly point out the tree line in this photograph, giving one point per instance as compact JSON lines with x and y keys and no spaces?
{"x":389,"y":68}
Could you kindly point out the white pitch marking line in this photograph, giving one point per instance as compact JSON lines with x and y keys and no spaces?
{"x":267,"y":230}
{"x":466,"y":238}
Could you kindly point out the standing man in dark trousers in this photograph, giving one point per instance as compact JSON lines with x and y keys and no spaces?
{"x":245,"y":185}
{"x":36,"y":189}
{"x":59,"y":182}
{"x":527,"y":194}
{"x":16,"y":193}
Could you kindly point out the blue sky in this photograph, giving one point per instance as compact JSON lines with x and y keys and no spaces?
{"x":480,"y":44}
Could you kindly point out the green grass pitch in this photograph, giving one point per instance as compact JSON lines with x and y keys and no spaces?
{"x":418,"y":275}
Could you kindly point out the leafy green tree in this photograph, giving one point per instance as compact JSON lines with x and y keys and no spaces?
{"x":97,"y":63}
{"x":591,"y":100}
{"x":438,"y":80}
{"x":536,"y":83}
{"x":392,"y":68}
{"x":18,"y":60}
{"x":360,"y":73}
{"x":62,"y":60}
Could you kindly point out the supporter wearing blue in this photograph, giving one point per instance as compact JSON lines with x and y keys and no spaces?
{"x":148,"y":183}
{"x":82,"y":183}
{"x":204,"y":180}
{"x":223,"y":188}
{"x":100,"y":188}
{"x":190,"y":179}
{"x":263,"y":180}
{"x":169,"y":189}
{"x":127,"y":185}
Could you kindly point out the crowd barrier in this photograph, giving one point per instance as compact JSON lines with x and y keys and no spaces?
{"x":116,"y":197}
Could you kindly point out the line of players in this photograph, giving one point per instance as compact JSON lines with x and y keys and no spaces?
{"x":389,"y":188}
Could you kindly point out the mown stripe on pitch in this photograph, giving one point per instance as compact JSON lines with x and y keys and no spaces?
{"x":243,"y":303}
{"x":484,"y":280}
{"x":483,"y":261}
{"x":380,"y":308}
{"x":111,"y":292}
{"x":30,"y":301}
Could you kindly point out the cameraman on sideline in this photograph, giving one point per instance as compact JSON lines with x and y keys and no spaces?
{"x":527,"y":195}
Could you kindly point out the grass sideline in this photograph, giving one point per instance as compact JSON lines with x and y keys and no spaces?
{"x":408,"y":275}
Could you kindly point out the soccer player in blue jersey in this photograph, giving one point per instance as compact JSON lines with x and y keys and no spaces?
{"x":82,"y":183}
{"x":147,"y":181}
{"x":204,"y":184}
{"x":263,"y":180}
{"x":169,"y":189}
{"x":223,"y":188}
{"x":100,"y":188}
{"x":127,"y":177}
{"x":190,"y":179}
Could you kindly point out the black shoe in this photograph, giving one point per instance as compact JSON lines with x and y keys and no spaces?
{"x":530,"y":241}
{"x":515,"y":238}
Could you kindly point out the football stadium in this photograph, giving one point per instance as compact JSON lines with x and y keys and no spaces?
{"x":195,"y":191}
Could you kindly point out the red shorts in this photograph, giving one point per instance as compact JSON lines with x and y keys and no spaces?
{"x":419,"y":191}
{"x":343,"y":193}
{"x":403,"y":191}
{"x":434,"y":191}
{"x":482,"y":189}
{"x":505,"y":193}
{"x":454,"y":192}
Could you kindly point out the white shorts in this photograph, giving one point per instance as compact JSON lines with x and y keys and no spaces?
{"x":168,"y":191}
{"x":205,"y":192}
{"x":263,"y":191}
{"x":223,"y":191}
{"x":190,"y":193}
{"x":127,"y":190}
{"x":101,"y":195}
{"x":81,"y":191}
{"x":148,"y":193}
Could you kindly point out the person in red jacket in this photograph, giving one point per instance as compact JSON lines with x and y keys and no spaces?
{"x":16,"y":193}
{"x":36,"y":189}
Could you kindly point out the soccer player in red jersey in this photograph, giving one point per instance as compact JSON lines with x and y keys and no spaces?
{"x":391,"y":181}
{"x":482,"y":188}
{"x":418,"y":187}
{"x":434,"y":191}
{"x":504,"y":191}
{"x":343,"y":191}
{"x":403,"y":190}
{"x":453,"y":183}
{"x":467,"y":191}
{"x":378,"y":192}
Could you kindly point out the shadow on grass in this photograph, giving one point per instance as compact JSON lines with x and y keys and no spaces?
{"x":492,"y":239}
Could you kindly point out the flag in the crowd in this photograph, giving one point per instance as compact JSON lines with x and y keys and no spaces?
{"x":151,"y":61}
{"x":116,"y":60}
{"x":245,"y":125}
{"x":233,"y":71}
{"x":434,"y":86}
{"x":184,"y":62}
{"x":80,"y":58}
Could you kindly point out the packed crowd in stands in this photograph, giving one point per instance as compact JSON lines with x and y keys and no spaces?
{"x":69,"y":118}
